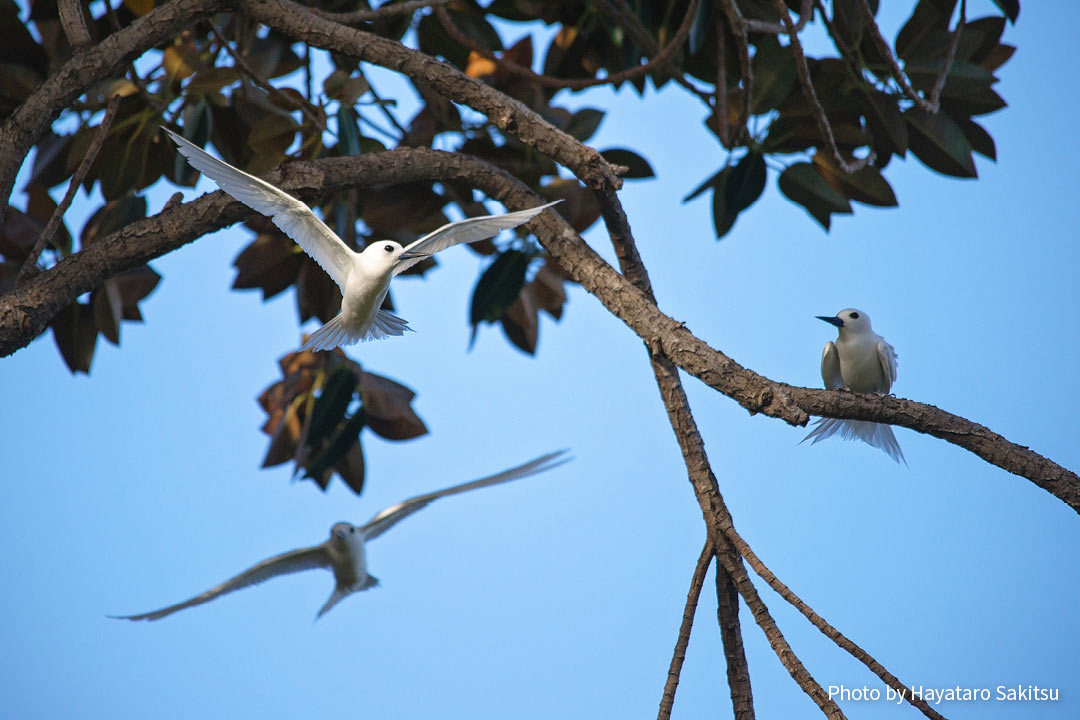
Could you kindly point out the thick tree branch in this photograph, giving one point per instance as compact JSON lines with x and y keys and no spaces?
{"x":24,"y":127}
{"x":25,"y":312}
{"x":679,"y":654}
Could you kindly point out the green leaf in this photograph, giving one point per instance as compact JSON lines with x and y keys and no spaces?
{"x":867,"y":185}
{"x":699,"y":31}
{"x":926,"y":33}
{"x":1011,"y":8}
{"x":746,"y":182}
{"x":736,"y":188}
{"x":331,"y":405}
{"x":939,"y":143}
{"x":980,"y":139}
{"x":774,"y":75}
{"x":584,"y":123}
{"x":712,"y":181}
{"x":198,"y":122}
{"x":803,"y":184}
{"x":498,"y":288}
{"x":639,"y":166}
{"x":346,"y":436}
{"x":348,"y":132}
{"x":886,"y":123}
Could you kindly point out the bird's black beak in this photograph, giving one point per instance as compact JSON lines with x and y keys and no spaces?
{"x":832,"y":320}
{"x":414,"y":255}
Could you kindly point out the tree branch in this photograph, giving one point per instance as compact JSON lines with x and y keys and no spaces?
{"x":26,"y":311}
{"x":24,"y":127}
{"x":621,"y":13}
{"x":359,"y":16}
{"x":507,"y":114}
{"x":802,"y":70}
{"x":301,"y":104}
{"x":679,"y":654}
{"x":821,"y":624}
{"x":73,"y":187}
{"x":659,"y":60}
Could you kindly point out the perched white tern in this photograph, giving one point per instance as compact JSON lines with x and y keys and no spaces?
{"x":364,"y":277}
{"x":343,"y":552}
{"x":860,"y":361}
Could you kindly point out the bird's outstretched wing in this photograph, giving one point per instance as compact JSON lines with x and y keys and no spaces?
{"x":293,"y":217}
{"x":830,"y":367}
{"x":463,"y":231}
{"x":385,"y":519}
{"x":887,"y":357}
{"x":290,"y":562}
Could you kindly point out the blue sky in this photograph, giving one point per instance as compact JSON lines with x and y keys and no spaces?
{"x":560,"y":595}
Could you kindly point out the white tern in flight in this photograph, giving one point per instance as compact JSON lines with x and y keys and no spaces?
{"x":364,"y":277}
{"x":860,"y":361}
{"x":343,"y":553}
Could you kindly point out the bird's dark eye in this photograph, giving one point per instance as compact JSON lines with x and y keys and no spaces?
{"x":854,"y":316}
{"x":388,"y":248}
{"x":352,"y":529}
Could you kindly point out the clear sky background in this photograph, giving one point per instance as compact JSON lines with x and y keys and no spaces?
{"x":561,"y":595}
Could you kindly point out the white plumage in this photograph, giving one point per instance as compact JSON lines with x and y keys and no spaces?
{"x":343,"y":553}
{"x":364,"y":277}
{"x":860,"y":361}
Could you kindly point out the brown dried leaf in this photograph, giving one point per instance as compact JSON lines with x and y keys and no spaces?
{"x":547,"y":290}
{"x":521,"y":324}
{"x":387,"y":405}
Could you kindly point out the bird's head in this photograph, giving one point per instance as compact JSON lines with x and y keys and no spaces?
{"x":343,"y":534}
{"x":851,"y":320}
{"x":383,"y":253}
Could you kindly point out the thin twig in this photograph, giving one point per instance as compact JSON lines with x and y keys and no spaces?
{"x":144,"y":92}
{"x":821,"y":624}
{"x":742,"y":42}
{"x":359,"y":16}
{"x":679,"y":655}
{"x":882,"y":46}
{"x":720,"y":106}
{"x":628,"y":19}
{"x":760,"y":26}
{"x":802,"y":69}
{"x":302,"y":105}
{"x":776,"y":639}
{"x":950,"y":58}
{"x":382,"y":106}
{"x":660,"y":58}
{"x":73,"y":187}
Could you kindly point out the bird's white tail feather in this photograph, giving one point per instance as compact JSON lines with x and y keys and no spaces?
{"x":874,"y":434}
{"x":334,"y":333}
{"x":368,"y":582}
{"x":386,"y":324}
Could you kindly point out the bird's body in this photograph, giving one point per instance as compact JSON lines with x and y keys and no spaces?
{"x":859,"y":361}
{"x":344,"y":552}
{"x":363,"y":277}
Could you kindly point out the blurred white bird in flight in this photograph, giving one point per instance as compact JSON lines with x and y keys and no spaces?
{"x":343,"y":553}
{"x":364,"y":277}
{"x":860,"y":361}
